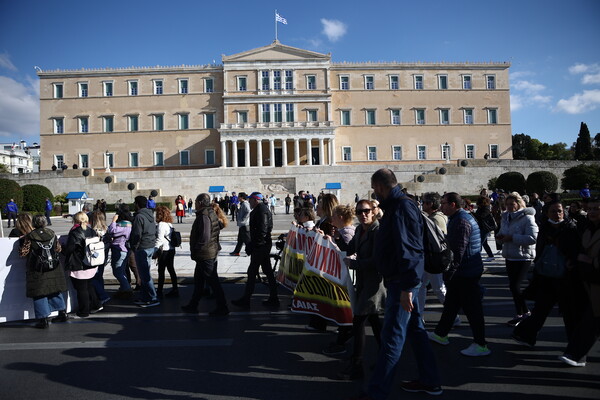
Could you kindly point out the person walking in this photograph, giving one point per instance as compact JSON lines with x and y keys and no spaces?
{"x":165,"y":252}
{"x":261,"y":225}
{"x":48,"y":211}
{"x":118,"y":233}
{"x":462,"y":278}
{"x":518,"y":234}
{"x":44,"y":285}
{"x":11,"y":212}
{"x":204,"y":249}
{"x":487,"y":223}
{"x":243,"y":223}
{"x":141,"y":240}
{"x":399,"y":258}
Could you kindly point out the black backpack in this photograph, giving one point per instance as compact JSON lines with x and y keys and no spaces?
{"x":43,"y":256}
{"x":438,"y":256}
{"x":175,"y":238}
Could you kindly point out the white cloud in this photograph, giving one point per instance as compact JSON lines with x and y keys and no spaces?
{"x":528,"y":87}
{"x":527,"y":93}
{"x":520,"y":74}
{"x":591,"y":73}
{"x":19,"y":108}
{"x":333,"y":29}
{"x":579,"y":103}
{"x":590,"y":79}
{"x":6,"y":63}
{"x":516,"y":102}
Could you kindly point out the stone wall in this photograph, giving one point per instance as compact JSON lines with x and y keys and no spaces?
{"x":353,"y":178}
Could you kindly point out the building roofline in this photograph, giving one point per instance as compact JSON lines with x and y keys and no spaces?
{"x":131,"y":70}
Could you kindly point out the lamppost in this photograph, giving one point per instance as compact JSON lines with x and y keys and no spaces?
{"x":107,"y":161}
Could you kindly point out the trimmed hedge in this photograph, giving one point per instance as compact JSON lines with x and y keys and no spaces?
{"x":541,"y":181}
{"x":511,"y":182}
{"x":34,"y":197}
{"x":10,"y":189}
{"x":576,"y":177}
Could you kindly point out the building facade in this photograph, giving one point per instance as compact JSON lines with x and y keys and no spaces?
{"x":18,"y":158}
{"x":274,"y":106}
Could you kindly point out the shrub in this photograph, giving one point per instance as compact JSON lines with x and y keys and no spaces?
{"x":541,"y":181}
{"x":10,"y":189}
{"x":576,"y":177}
{"x":34,"y":197}
{"x":511,"y":182}
{"x":492,"y":184}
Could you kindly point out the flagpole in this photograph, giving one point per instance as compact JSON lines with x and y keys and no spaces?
{"x":275,"y":25}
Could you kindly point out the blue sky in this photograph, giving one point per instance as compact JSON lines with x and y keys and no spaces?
{"x":554,"y":46}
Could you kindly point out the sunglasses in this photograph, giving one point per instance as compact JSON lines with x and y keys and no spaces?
{"x":364,"y":211}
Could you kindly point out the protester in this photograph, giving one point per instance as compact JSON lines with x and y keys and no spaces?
{"x":44,"y":286}
{"x":118,"y":232}
{"x":164,"y":251}
{"x":243,"y":223}
{"x":554,"y":280}
{"x":81,"y":274}
{"x":204,"y":249}
{"x":305,"y":217}
{"x":370,"y":292}
{"x":463,"y":290}
{"x":261,"y":225}
{"x":518,"y":234}
{"x":398,"y":252}
{"x":142,"y":240}
{"x":587,"y":329}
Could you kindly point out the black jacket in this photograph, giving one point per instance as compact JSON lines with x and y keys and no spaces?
{"x":204,"y":236}
{"x":261,"y":225}
{"x":143,"y":231}
{"x":74,"y":251}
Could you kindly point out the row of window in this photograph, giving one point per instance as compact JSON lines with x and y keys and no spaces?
{"x":108,"y":122}
{"x":158,"y":159}
{"x":133,"y":87}
{"x":420,"y":116}
{"x":421,"y":152}
{"x":278,"y":80}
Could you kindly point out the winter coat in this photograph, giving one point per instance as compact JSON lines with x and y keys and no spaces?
{"x":119,"y":233}
{"x":37,"y":283}
{"x":524,"y":231}
{"x":370,"y":292}
{"x":74,"y":251}
{"x":163,"y":236}
{"x":261,"y":225}
{"x":143,"y":232}
{"x":243,"y":214}
{"x":204,"y":236}
{"x":464,"y":239}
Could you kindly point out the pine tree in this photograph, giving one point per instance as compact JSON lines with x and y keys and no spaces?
{"x":583,"y":146}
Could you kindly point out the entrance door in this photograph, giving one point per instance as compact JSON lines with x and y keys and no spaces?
{"x":241,"y":157}
{"x":315,"y":156}
{"x":278,"y":157}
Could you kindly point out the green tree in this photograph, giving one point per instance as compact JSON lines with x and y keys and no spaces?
{"x":511,"y":182}
{"x":583,"y":146}
{"x":4,"y":169}
{"x":541,"y":181}
{"x":576,"y":177}
{"x":10,"y":189}
{"x":596,"y":147}
{"x":62,"y":199}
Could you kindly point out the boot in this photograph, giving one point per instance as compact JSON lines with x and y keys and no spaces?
{"x":353,"y":371}
{"x":62,"y":316}
{"x":42,"y":323}
{"x":173,"y":293}
{"x":243,"y":302}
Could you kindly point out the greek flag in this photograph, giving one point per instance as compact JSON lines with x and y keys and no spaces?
{"x":279,"y":18}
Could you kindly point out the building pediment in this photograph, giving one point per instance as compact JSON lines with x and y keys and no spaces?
{"x":275,"y":52}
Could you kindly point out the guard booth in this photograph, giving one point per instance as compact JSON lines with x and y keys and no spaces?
{"x":76,"y":201}
{"x":334,"y":188}
{"x":216,"y":191}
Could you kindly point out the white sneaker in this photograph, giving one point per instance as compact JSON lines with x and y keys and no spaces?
{"x":567,"y":359}
{"x":475,"y":350}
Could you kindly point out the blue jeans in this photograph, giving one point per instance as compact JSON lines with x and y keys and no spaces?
{"x":118,"y":262}
{"x":398,"y":325}
{"x":98,"y":284}
{"x":143,"y":259}
{"x":43,"y":306}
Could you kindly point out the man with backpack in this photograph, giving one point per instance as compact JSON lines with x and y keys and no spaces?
{"x":399,"y":257}
{"x":141,"y":240}
{"x":462,"y":278}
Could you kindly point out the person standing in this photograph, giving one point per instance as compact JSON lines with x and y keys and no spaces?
{"x":151,"y":204}
{"x":462,"y":278}
{"x":190,"y":206}
{"x":118,"y":232}
{"x":165,"y":251}
{"x":204,"y":249}
{"x":233,"y":205}
{"x":399,"y":258}
{"x":273,"y":203}
{"x":585,"y":192}
{"x":179,"y":208}
{"x":11,"y":212}
{"x":261,"y":225}
{"x":243,"y":223}
{"x":288,"y":202}
{"x":141,"y":240}
{"x":48,"y":211}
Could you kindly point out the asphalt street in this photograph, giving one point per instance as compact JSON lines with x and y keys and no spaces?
{"x":125,"y":352}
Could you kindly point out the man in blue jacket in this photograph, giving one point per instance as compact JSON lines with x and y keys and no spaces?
{"x":462,"y":279}
{"x":11,"y":212}
{"x":400,"y":260}
{"x":48,"y":209}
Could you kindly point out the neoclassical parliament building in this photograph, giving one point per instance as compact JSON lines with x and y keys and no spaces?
{"x":274,"y":106}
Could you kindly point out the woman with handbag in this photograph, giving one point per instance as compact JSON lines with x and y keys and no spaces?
{"x":165,"y":252}
{"x":518,"y":234}
{"x":587,"y":329}
{"x":556,"y":252}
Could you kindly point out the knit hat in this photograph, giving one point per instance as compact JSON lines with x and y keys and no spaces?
{"x":256,"y":196}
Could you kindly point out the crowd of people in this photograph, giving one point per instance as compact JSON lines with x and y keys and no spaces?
{"x":552,"y":257}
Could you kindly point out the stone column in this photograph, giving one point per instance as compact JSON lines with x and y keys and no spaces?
{"x":247,"y":148}
{"x":321,"y":151}
{"x":332,"y":151}
{"x":296,"y":151}
{"x":284,"y":152}
{"x":272,"y":152}
{"x":223,"y":154}
{"x":308,"y":151}
{"x":234,"y":153}
{"x":259,"y":157}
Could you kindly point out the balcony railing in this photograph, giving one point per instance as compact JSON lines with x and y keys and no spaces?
{"x":271,"y":125}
